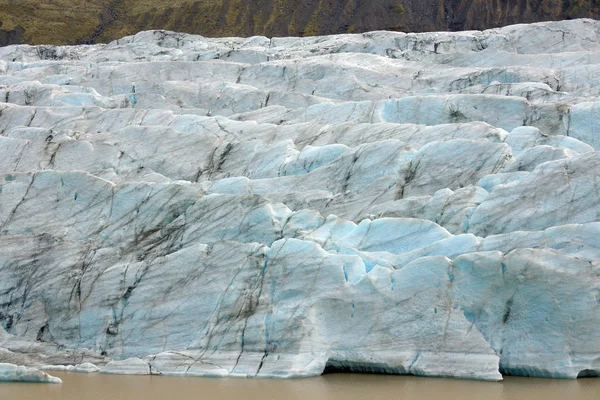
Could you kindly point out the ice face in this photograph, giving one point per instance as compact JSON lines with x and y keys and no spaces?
{"x":401,"y":203}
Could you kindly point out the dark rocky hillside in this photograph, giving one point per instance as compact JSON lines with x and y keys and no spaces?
{"x":96,"y":21}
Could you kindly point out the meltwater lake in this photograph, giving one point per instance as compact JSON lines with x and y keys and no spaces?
{"x":326,"y":387}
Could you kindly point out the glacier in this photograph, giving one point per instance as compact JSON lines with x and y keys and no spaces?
{"x":424,"y":204}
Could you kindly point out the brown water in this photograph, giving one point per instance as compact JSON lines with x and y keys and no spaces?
{"x":327,"y":387}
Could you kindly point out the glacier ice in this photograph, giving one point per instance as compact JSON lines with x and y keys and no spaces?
{"x":419,"y":204}
{"x":86,"y":368}
{"x":14,"y":373}
{"x":130,"y":366}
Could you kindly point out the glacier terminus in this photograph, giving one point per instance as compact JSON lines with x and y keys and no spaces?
{"x":424,"y":204}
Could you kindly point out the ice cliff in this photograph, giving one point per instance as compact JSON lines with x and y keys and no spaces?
{"x":422,"y":204}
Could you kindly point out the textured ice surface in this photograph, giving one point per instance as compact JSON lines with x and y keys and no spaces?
{"x":131,"y":366}
{"x":86,"y":368}
{"x":14,"y":373}
{"x":420,"y":204}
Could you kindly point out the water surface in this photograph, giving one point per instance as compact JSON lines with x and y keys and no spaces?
{"x":326,"y":387}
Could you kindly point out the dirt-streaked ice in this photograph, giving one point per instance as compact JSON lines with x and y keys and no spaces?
{"x":420,"y":204}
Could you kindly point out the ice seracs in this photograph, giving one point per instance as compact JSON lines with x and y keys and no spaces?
{"x":399,"y":203}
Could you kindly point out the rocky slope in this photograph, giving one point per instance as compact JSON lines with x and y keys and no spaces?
{"x":79,"y":21}
{"x":405,"y":203}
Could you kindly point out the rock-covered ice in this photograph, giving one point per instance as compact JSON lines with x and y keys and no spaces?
{"x":420,"y":204}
